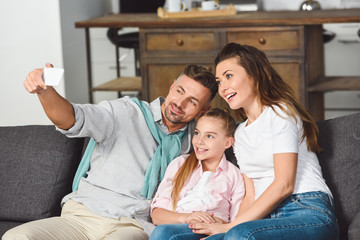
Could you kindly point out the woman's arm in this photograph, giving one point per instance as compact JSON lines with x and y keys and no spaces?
{"x":285,"y":165}
{"x":249,"y":197}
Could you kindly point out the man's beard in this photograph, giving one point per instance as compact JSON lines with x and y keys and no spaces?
{"x":172,"y":117}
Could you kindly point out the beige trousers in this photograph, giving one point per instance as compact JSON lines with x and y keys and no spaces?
{"x":75,"y":223}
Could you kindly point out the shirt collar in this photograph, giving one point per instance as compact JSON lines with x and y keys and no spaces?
{"x":223,"y":165}
{"x":155,"y":107}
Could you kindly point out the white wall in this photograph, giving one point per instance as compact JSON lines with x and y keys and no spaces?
{"x":73,"y":42}
{"x":342,"y":59}
{"x":33,"y":33}
{"x":30,"y":37}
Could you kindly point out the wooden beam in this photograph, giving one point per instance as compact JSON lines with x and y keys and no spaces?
{"x":327,"y":84}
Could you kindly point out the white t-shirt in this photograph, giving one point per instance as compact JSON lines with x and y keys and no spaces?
{"x":270,"y":133}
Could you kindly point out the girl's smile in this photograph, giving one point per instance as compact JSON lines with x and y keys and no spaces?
{"x":210,"y":141}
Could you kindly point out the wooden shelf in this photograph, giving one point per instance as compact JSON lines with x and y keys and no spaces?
{"x":327,"y":84}
{"x":121,"y":84}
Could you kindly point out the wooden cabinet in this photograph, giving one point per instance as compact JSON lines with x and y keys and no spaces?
{"x":166,"y":52}
{"x":296,"y":52}
{"x":284,"y":47}
{"x":273,"y":40}
{"x":182,"y":42}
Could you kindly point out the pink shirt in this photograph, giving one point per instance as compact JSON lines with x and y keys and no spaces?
{"x":226,"y":188}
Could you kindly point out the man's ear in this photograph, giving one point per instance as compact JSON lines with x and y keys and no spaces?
{"x":229,"y":142}
{"x":204,"y":110}
{"x":172,"y":85}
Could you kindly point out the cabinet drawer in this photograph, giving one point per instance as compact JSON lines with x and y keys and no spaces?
{"x":180,"y":42}
{"x":270,"y":41}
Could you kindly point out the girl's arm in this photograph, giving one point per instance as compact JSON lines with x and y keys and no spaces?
{"x":162,"y":199}
{"x":163,"y":216}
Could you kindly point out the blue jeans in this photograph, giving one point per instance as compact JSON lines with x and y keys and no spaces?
{"x":301,"y":216}
{"x":180,"y":231}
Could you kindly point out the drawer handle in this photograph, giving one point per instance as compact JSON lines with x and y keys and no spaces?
{"x":262,"y":41}
{"x":180,"y":42}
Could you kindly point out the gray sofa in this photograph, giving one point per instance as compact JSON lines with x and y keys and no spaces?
{"x":37,"y":165}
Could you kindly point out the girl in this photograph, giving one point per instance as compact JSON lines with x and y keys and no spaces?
{"x":275,"y":146}
{"x":202,"y":186}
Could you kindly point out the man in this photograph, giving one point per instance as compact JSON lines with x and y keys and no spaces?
{"x":128,"y":160}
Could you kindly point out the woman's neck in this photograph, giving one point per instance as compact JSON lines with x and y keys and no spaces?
{"x":254,"y":111}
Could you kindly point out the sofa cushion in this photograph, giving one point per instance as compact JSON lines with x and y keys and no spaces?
{"x":37,"y":165}
{"x":354,"y":229}
{"x":340,"y":162}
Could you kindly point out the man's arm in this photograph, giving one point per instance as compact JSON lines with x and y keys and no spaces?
{"x":57,"y":108}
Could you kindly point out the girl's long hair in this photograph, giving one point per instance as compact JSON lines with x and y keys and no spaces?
{"x":191,"y":162}
{"x":270,"y":88}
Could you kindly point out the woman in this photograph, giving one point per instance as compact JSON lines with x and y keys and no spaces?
{"x":275,"y":146}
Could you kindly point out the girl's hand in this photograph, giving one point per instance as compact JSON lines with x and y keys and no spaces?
{"x":219,"y":220}
{"x":199,"y":217}
{"x":209,"y":229}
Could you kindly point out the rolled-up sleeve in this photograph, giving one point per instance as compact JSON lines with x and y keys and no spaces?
{"x":79,"y":122}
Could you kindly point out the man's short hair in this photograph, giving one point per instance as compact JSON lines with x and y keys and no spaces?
{"x":203,"y":76}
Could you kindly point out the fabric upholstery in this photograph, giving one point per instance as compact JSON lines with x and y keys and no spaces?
{"x":340,"y":162}
{"x":5,"y":225}
{"x":37,"y":165}
{"x":354,"y":228}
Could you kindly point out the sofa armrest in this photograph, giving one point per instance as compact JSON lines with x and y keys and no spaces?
{"x":354,"y":228}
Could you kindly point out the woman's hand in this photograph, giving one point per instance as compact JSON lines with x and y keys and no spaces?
{"x":209,"y":229}
{"x":219,"y":220}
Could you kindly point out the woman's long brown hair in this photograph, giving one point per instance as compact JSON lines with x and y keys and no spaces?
{"x":191,"y":162}
{"x":270,"y":88}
